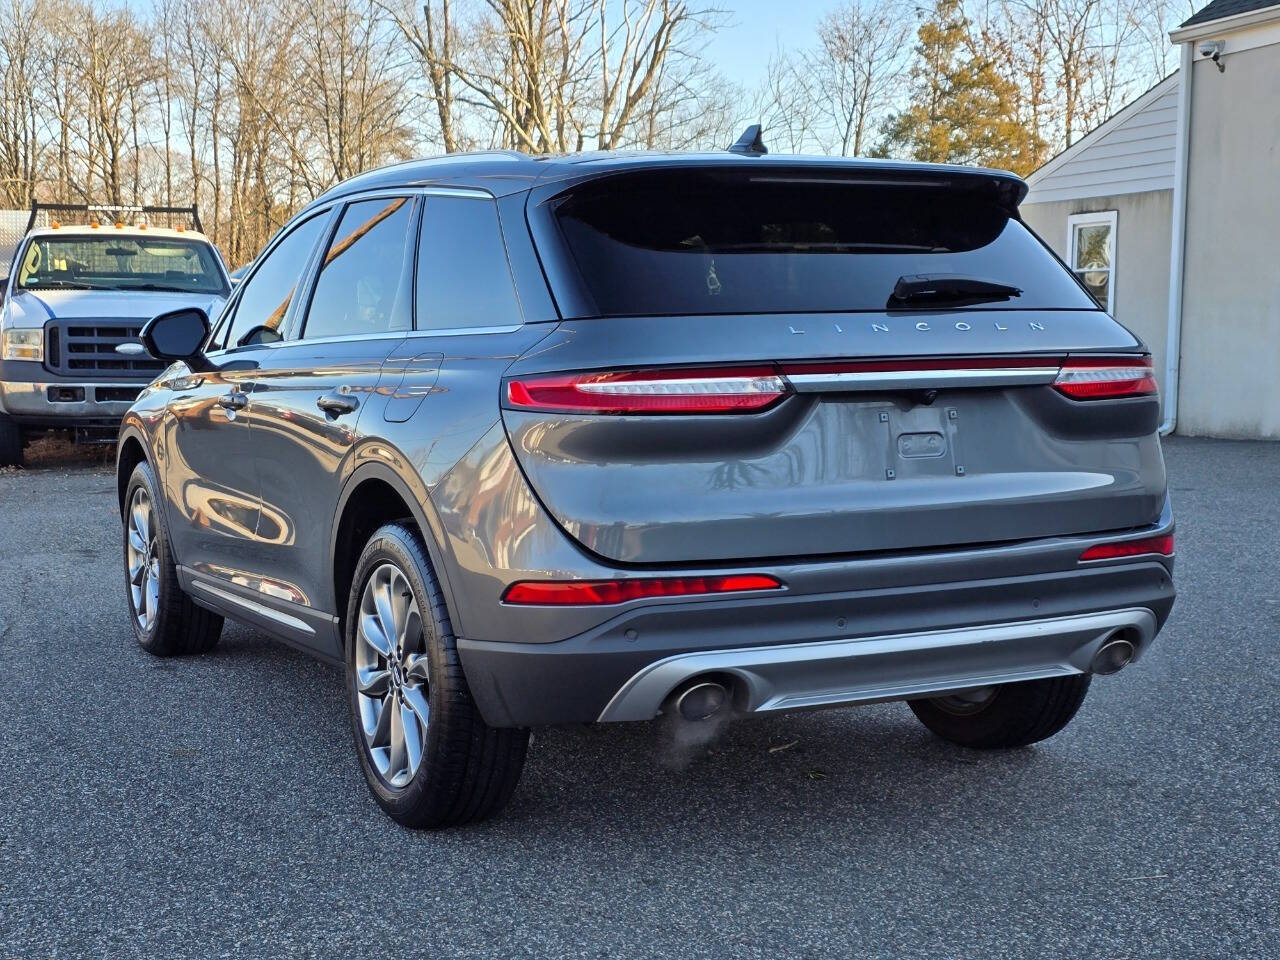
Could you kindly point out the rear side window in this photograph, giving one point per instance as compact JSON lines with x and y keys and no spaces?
{"x":361,"y":287}
{"x":708,"y":242}
{"x":464,"y":279}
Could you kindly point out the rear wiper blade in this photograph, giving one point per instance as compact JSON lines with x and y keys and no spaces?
{"x":950,"y":288}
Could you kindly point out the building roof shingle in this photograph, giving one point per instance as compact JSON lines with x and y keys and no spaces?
{"x":1219,"y":9}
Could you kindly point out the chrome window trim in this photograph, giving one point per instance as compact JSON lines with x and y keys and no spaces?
{"x":473,"y":193}
{"x":464,"y":331}
{"x":393,"y":335}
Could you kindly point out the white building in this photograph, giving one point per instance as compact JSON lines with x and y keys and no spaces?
{"x":1170,"y":211}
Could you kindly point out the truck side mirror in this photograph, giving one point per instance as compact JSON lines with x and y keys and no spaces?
{"x":178,"y":335}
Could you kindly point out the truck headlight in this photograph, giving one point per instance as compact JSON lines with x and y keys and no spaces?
{"x":22,"y":345}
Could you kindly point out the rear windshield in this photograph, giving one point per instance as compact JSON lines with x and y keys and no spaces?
{"x":113,"y":262}
{"x":707,"y":242}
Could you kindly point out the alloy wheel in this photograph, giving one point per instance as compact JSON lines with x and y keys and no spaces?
{"x":391,"y":675}
{"x":143,"y":558}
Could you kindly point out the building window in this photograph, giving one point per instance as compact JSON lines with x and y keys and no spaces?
{"x":1091,"y":247}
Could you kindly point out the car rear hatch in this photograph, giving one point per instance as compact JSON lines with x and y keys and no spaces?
{"x":784,"y":364}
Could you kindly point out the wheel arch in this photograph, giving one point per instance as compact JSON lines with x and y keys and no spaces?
{"x":131,"y":450}
{"x":362,"y":508}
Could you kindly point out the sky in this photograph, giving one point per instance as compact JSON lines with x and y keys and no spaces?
{"x":756,"y":28}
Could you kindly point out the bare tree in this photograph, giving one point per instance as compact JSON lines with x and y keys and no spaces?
{"x":21,"y":150}
{"x":351,"y":88}
{"x":786,"y":104}
{"x":862,"y":55}
{"x":557,"y":75}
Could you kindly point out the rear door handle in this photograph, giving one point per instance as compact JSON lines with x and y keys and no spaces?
{"x":336,"y":404}
{"x":235,"y":400}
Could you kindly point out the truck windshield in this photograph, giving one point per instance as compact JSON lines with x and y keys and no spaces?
{"x":715,"y":242}
{"x":106,"y":262}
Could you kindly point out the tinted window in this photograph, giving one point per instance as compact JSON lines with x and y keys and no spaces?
{"x":265,"y":297}
{"x":464,"y":279}
{"x":361,"y":288}
{"x":714,"y":242}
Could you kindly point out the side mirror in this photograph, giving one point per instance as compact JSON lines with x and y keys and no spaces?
{"x":178,"y":335}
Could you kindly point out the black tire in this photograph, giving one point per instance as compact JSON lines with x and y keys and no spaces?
{"x":468,"y":770}
{"x":10,"y":443}
{"x":1017,"y":714}
{"x":178,"y":627}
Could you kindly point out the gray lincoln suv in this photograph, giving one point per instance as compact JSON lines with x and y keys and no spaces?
{"x":525,"y":441}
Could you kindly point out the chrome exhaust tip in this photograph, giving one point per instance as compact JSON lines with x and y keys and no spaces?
{"x":702,"y":700}
{"x":1114,"y":655}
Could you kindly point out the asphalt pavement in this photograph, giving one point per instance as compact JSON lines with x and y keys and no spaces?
{"x":212,"y":806}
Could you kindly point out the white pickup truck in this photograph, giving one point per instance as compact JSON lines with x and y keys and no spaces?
{"x":72,"y":306}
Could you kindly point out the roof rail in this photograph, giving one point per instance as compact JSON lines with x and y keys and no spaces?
{"x":111,"y":208}
{"x":751,"y":142}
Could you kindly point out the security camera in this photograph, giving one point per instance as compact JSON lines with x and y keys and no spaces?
{"x":1213,"y":50}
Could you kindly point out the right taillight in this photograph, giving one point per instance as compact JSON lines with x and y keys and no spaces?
{"x":1106,"y":378}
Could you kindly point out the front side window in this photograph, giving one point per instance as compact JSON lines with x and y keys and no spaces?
{"x":464,"y":278}
{"x":265,"y":297}
{"x":107,"y":261}
{"x":1091,"y":241}
{"x":361,"y":288}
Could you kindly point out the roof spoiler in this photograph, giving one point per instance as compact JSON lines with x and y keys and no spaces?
{"x":751,"y":143}
{"x":113,"y":209}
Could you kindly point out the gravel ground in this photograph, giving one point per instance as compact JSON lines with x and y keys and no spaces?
{"x":213,"y":807}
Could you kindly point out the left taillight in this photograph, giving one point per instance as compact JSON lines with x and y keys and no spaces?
{"x":691,"y":391}
{"x":1106,"y":378}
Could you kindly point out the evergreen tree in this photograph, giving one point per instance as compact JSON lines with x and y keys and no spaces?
{"x":963,"y":110}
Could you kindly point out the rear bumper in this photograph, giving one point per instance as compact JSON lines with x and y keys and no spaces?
{"x":867,"y":669}
{"x":858,"y":646}
{"x":67,"y":403}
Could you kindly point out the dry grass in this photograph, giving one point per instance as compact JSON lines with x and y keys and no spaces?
{"x":56,"y":451}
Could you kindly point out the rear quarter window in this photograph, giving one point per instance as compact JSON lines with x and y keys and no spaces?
{"x":709,"y":242}
{"x":464,"y":277}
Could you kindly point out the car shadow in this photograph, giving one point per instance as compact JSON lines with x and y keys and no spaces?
{"x":872,"y":767}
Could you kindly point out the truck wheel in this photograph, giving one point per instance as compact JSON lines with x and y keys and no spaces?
{"x":10,"y":443}
{"x":428,"y":756}
{"x":1009,"y":715}
{"x":165,"y":620}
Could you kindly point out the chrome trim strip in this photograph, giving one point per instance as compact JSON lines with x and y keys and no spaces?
{"x":337,"y":338}
{"x":465,"y":331}
{"x":261,"y":609}
{"x":886,"y":667}
{"x":468,"y":192}
{"x":922,"y":379}
{"x":389,"y":335}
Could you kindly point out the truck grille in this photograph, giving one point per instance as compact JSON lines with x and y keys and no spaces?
{"x":88,"y":348}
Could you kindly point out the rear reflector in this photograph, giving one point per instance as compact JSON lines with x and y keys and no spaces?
{"x":1103,"y":378}
{"x":720,"y":390}
{"x":563,"y":593}
{"x":1160,"y":546}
